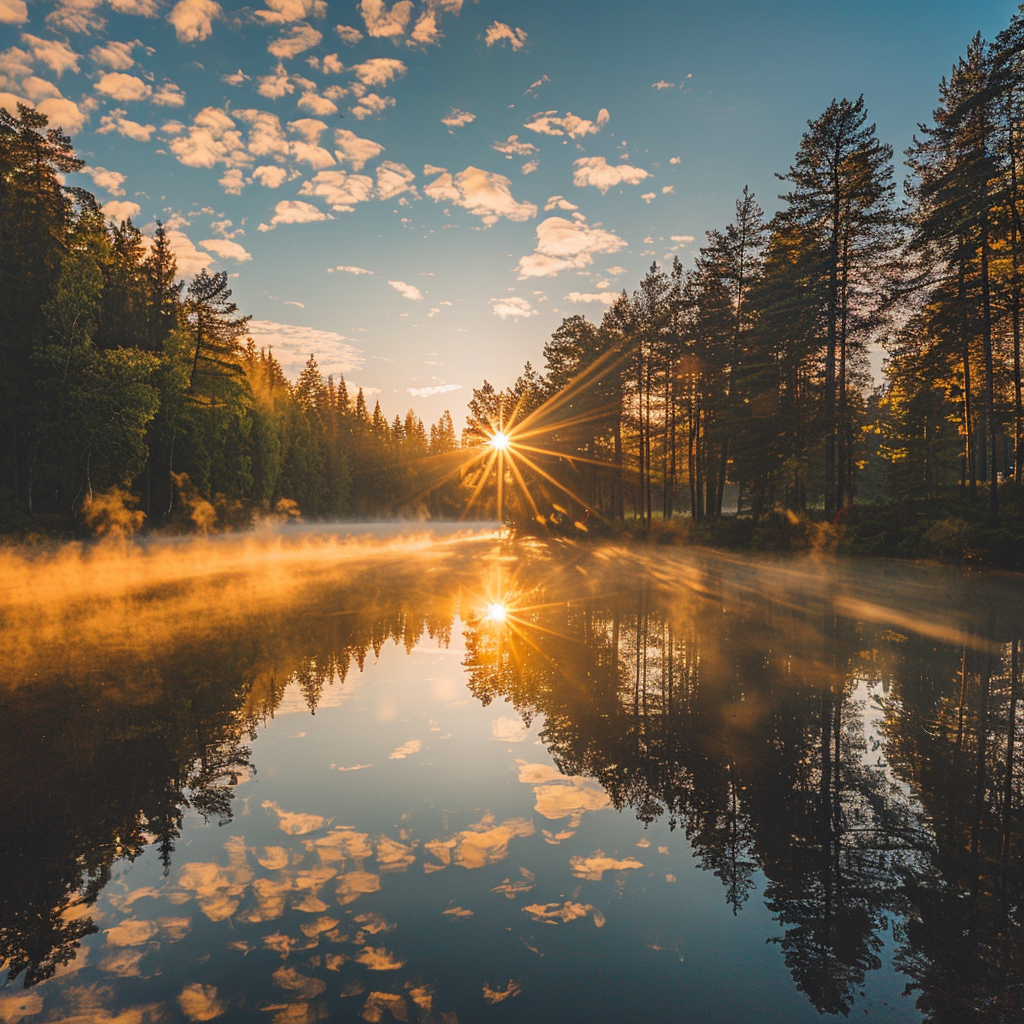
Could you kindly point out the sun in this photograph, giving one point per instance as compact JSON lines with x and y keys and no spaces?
{"x":496,"y":612}
{"x":499,"y":441}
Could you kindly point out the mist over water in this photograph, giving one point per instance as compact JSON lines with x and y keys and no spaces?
{"x":438,"y":775}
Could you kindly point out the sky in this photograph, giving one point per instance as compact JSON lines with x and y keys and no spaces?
{"x":420,"y":191}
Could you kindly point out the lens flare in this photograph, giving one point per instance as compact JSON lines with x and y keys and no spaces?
{"x":499,"y":441}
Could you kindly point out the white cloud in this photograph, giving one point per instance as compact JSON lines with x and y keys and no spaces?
{"x":608,"y":298}
{"x":682,"y":239}
{"x":226,"y":250}
{"x":13,"y":12}
{"x":378,"y":71}
{"x":393,"y":179}
{"x":615,"y":271}
{"x":270,"y":175}
{"x":169,"y":95}
{"x":238,"y":78}
{"x":38,"y":89}
{"x":293,"y":211}
{"x":57,"y":56}
{"x":120,"y":210}
{"x":211,"y":139}
{"x":384,"y":23}
{"x":513,"y":306}
{"x":499,"y":32}
{"x":559,"y":203}
{"x":116,"y":121}
{"x":14,"y":63}
{"x":266,"y":136}
{"x":543,"y":80}
{"x":309,"y":128}
{"x":550,"y":123}
{"x":427,"y":32}
{"x":348,"y":35}
{"x":596,"y":171}
{"x":232,"y":181}
{"x":353,"y":150}
{"x":409,"y":291}
{"x":341,"y":191}
{"x":280,"y":12}
{"x":349,"y":270}
{"x":530,"y":166}
{"x":663,"y":85}
{"x":76,"y":16}
{"x":114,"y":55}
{"x":458,"y":118}
{"x":437,"y":389}
{"x":483,"y":193}
{"x":566,"y":245}
{"x":296,"y":40}
{"x":513,"y":147}
{"x":124,"y":88}
{"x":275,"y":85}
{"x":676,"y":160}
{"x":332,"y":65}
{"x":292,"y":346}
{"x":668,"y":190}
{"x":193,"y":19}
{"x":372,"y":105}
{"x":319,"y":105}
{"x":63,"y":113}
{"x":648,"y":196}
{"x":109,"y":181}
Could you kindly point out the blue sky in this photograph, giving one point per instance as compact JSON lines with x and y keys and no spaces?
{"x":419,"y":191}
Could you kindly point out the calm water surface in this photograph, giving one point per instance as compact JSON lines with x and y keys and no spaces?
{"x":441,"y":778}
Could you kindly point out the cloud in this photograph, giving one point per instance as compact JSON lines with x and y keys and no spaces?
{"x":280,"y":12}
{"x":427,"y":32}
{"x":437,"y":389}
{"x":530,"y":166}
{"x":310,"y":151}
{"x":190,"y":260}
{"x":676,"y":160}
{"x":169,"y":95}
{"x":266,"y":136}
{"x":293,"y":211}
{"x":109,"y":181}
{"x":393,"y":179}
{"x":648,"y":196}
{"x":292,"y":346}
{"x":296,"y":40}
{"x":348,"y":35}
{"x":458,"y":118}
{"x":237,"y":78}
{"x":116,"y":121}
{"x":114,"y":55}
{"x":270,"y":176}
{"x":76,"y":16}
{"x":668,"y":190}
{"x":125,"y":88}
{"x":319,"y":105}
{"x":513,"y":306}
{"x":596,"y":171}
{"x":226,"y":250}
{"x":211,"y":139}
{"x":13,"y":12}
{"x":232,"y":181}
{"x":57,"y":56}
{"x":550,"y":123}
{"x":378,"y":71}
{"x":14,"y":63}
{"x":382,"y":23}
{"x":543,"y":80}
{"x":483,"y":193}
{"x":559,"y":203}
{"x":663,"y":85}
{"x":499,"y":32}
{"x":371,"y":105}
{"x":353,"y":150}
{"x":63,"y":113}
{"x":275,"y":85}
{"x":341,"y":191}
{"x":409,"y":291}
{"x":193,"y":19}
{"x":349,"y":270}
{"x":608,"y":298}
{"x":566,"y":245}
{"x":513,"y":147}
{"x":120,"y":210}
{"x":200,"y":1002}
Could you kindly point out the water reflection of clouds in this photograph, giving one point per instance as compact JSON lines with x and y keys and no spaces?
{"x":562,"y":796}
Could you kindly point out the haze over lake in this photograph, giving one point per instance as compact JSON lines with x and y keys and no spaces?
{"x":438,"y":776}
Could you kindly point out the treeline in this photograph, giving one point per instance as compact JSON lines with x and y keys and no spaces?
{"x":113,"y":375}
{"x":752,"y":367}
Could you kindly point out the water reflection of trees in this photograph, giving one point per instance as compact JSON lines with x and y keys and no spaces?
{"x":740,"y":717}
{"x":710,"y":695}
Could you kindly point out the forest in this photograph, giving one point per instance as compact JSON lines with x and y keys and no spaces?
{"x":734,"y":396}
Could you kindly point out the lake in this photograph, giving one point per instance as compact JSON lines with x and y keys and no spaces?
{"x":444,"y":776}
